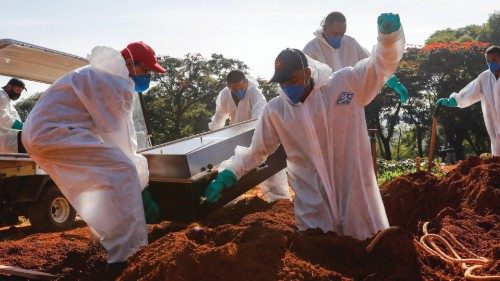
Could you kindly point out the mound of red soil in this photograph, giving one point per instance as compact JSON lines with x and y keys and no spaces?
{"x":255,"y":240}
{"x":71,"y":255}
{"x":265,"y":245}
{"x":420,"y":196}
{"x":67,"y":254}
{"x":479,"y":181}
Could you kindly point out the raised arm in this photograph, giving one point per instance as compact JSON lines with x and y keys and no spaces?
{"x":368,"y":76}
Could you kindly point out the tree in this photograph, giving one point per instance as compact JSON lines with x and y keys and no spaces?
{"x":416,"y":112}
{"x":487,"y":32}
{"x":452,"y":66}
{"x":383,"y":114}
{"x":183,"y":99}
{"x":492,"y":29}
{"x":24,"y":107}
{"x":269,"y":90}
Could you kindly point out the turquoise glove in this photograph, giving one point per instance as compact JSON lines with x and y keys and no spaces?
{"x":18,"y":125}
{"x":223,"y":180}
{"x":449,"y":102}
{"x":397,"y":86}
{"x":388,"y":23}
{"x":151,"y":209}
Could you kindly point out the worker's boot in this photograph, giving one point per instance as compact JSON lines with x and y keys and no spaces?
{"x":114,"y":270}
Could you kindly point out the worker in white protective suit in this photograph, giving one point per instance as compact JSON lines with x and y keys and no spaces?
{"x":10,"y":122}
{"x":323,"y":131}
{"x":333,"y":47}
{"x":485,"y":88}
{"x":81,"y":133}
{"x":240,"y":101}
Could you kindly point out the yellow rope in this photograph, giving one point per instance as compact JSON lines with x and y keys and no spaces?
{"x":427,"y":243}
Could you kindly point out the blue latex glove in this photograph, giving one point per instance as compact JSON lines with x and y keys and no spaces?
{"x":449,"y":102}
{"x":397,"y":86}
{"x":224,"y":179}
{"x":388,"y":23}
{"x":18,"y":125}
{"x":151,"y":209}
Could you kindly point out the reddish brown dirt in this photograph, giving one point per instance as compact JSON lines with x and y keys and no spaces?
{"x":71,"y":253}
{"x":255,"y":240}
{"x":479,"y":182}
{"x":413,"y":198}
{"x":264,"y":245}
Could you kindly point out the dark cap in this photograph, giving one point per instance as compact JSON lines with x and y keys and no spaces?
{"x":16,"y":82}
{"x":288,"y":61}
{"x":142,"y":53}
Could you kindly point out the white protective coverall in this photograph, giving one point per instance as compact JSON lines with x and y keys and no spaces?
{"x":250,"y":107}
{"x":81,"y":133}
{"x":8,"y":114}
{"x":485,"y":88}
{"x":349,"y":53}
{"x":327,"y":145}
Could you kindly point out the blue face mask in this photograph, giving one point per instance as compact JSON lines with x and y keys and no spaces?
{"x":141,"y":82}
{"x":334,"y":41}
{"x":240,"y":93}
{"x":493,"y":66}
{"x":294,"y":92}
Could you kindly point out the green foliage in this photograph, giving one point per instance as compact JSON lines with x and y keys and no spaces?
{"x":389,"y":170}
{"x":269,"y":90}
{"x":487,"y":32}
{"x":492,"y":31}
{"x":389,"y":176}
{"x":24,"y":107}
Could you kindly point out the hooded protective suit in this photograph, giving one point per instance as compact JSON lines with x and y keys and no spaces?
{"x":81,"y":133}
{"x":349,"y":53}
{"x":249,"y":107}
{"x":485,"y":88}
{"x":8,"y":115}
{"x":327,"y":145}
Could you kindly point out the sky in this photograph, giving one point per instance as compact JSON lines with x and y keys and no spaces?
{"x":251,"y":31}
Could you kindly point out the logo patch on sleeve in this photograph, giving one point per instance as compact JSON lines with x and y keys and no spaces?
{"x":345,"y":98}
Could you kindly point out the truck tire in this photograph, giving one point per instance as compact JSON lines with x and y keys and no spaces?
{"x":52,"y":211}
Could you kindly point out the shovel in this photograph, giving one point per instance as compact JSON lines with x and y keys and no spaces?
{"x":433,"y":139}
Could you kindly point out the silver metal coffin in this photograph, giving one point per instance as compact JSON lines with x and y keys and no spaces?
{"x":180,"y":171}
{"x":185,"y":159}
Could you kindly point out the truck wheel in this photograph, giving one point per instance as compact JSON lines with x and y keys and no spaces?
{"x":51,"y":212}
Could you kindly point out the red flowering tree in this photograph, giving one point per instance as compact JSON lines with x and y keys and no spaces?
{"x":450,"y":66}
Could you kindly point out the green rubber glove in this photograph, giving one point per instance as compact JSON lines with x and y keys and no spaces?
{"x":388,"y":23}
{"x":151,"y":209}
{"x":449,"y":102}
{"x":224,"y":179}
{"x":18,"y":125}
{"x":397,"y":86}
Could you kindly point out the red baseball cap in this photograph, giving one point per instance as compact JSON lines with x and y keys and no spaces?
{"x":142,"y":53}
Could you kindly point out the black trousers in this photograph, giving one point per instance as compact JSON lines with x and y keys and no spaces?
{"x":20,"y":146}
